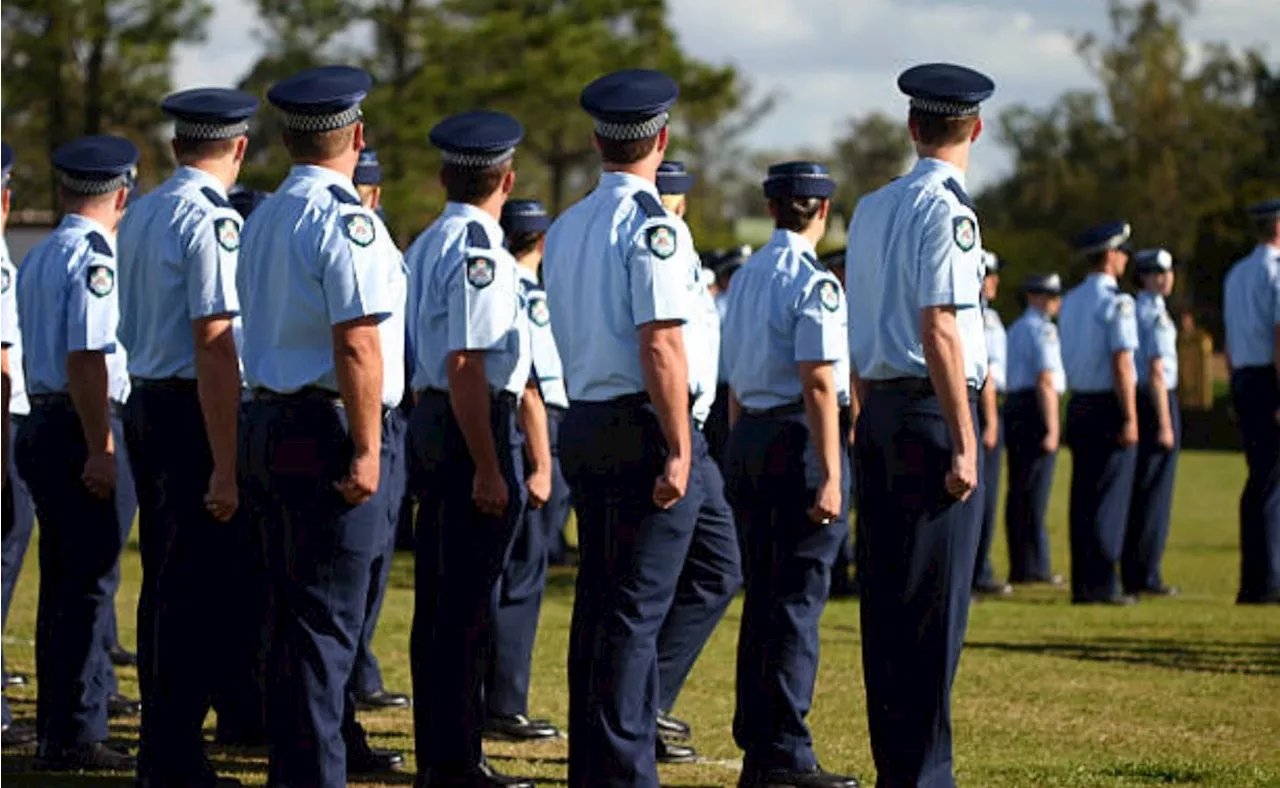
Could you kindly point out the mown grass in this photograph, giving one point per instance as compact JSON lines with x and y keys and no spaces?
{"x":1171,"y":692}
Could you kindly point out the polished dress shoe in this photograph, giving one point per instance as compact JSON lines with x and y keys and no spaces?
{"x":120,"y":706}
{"x":382,"y":700}
{"x":17,"y":735}
{"x":992,"y":588}
{"x":365,"y":760}
{"x":670,"y":752}
{"x":122,"y":657}
{"x":96,"y":757}
{"x":1119,"y":600}
{"x":1050,"y":580}
{"x":1259,"y":599}
{"x":1167,"y":591}
{"x":480,"y":776}
{"x":672,"y":729}
{"x":15,"y":680}
{"x":794,"y":778}
{"x":518,"y":728}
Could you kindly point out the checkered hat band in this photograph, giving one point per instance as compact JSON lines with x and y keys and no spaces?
{"x":948,"y":109}
{"x":316,"y":123}
{"x":479,"y":161}
{"x":83,"y":186}
{"x":632,"y":131}
{"x":189,"y":130}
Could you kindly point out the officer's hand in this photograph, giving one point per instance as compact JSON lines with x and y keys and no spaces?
{"x":1129,"y":433}
{"x":100,"y":474}
{"x":1165,"y":439}
{"x":539,"y":486}
{"x":671,"y":486}
{"x":223,"y":498}
{"x":1049,"y":443}
{"x":362,"y":479}
{"x":990,"y":436}
{"x":826,"y":503}
{"x":490,"y":493}
{"x":962,"y":479}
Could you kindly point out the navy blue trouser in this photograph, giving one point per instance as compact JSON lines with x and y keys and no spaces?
{"x":1101,"y":486}
{"x":846,"y":557}
{"x":19,"y":522}
{"x":554,"y":516}
{"x":716,"y":429}
{"x":319,"y":550}
{"x":460,"y":554}
{"x":632,"y":554}
{"x":921,"y":547}
{"x":983,"y":574}
{"x":711,"y":575}
{"x":1151,"y":506}
{"x":126,"y":499}
{"x":1027,"y":491}
{"x":517,"y":596}
{"x":1255,"y":393}
{"x":80,"y":542}
{"x":771,"y":476}
{"x":366,"y":678}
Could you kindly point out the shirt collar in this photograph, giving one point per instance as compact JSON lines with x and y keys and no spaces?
{"x":471,"y":213}
{"x":201,"y":178}
{"x":929,"y":165}
{"x":793,"y":241}
{"x":85,"y":225}
{"x":311,"y":172}
{"x":616,"y":180}
{"x":1155,"y":298}
{"x":1103,"y":280}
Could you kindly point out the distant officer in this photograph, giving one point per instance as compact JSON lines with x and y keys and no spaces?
{"x":1036,"y":382}
{"x":842,"y":585}
{"x":366,"y":678}
{"x":517,"y":597}
{"x":621,"y":276}
{"x":716,"y":430}
{"x":67,"y":311}
{"x":784,"y":332}
{"x":991,"y":427}
{"x":1159,"y":429}
{"x":320,"y":296}
{"x":246,"y":201}
{"x":178,"y":251}
{"x":1099,"y":337}
{"x":475,"y":392}
{"x":712,"y":569}
{"x":1251,"y":307}
{"x":914,"y":276}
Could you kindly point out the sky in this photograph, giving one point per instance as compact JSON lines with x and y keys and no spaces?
{"x":830,"y":60}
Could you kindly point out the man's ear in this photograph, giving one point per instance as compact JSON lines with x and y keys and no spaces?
{"x":977,"y":131}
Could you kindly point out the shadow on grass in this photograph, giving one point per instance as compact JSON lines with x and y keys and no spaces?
{"x":1259,"y":658}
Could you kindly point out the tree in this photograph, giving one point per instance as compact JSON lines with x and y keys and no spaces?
{"x":874,"y":150}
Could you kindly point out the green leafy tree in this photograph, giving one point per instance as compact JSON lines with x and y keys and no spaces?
{"x":873,"y":150}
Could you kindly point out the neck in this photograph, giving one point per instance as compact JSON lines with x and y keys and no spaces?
{"x":224,"y":170}
{"x":955,"y":155}
{"x":104,"y":215}
{"x":531,"y":261}
{"x":492,"y":204}
{"x":343,"y":165}
{"x":1274,"y":243}
{"x":813,"y":233}
{"x":646,"y":168}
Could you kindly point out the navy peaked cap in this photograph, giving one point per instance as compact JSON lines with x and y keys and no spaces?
{"x":479,"y":138}
{"x":1265,"y":210}
{"x":798,"y":179}
{"x":522,"y":217}
{"x":1152,"y":261}
{"x":321,"y":99}
{"x":368,"y":170}
{"x":6,"y":160}
{"x":210,"y":113}
{"x":673,"y":178}
{"x":631,"y":104}
{"x":1112,"y":235}
{"x":1042,"y":284}
{"x":945,"y":89}
{"x":96,"y":165}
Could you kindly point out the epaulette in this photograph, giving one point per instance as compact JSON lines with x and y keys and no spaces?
{"x":217,"y":199}
{"x":343,"y":196}
{"x":955,"y":188}
{"x":812,"y":260}
{"x":649,"y":205}
{"x":477,"y":238}
{"x":99,"y":245}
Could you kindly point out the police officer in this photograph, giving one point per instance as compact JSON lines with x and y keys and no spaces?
{"x":621,"y":275}
{"x":712,"y":569}
{"x":1251,"y":307}
{"x":1159,"y":429}
{"x":517,"y":596}
{"x":785,"y":329}
{"x":842,"y":585}
{"x":366,"y":678}
{"x":1036,"y":381}
{"x":178,"y":251}
{"x":320,"y":298}
{"x":716,"y":430}
{"x":991,"y":427}
{"x":67,"y":310}
{"x":1099,"y":337}
{"x":914,"y":277}
{"x":473,"y":383}
{"x":245,"y":201}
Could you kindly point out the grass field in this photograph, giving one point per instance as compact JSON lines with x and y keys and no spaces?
{"x":1171,"y":692}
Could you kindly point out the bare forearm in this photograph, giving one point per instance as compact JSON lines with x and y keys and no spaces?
{"x":357,"y":359}
{"x":1047,"y":397}
{"x":1159,"y":393}
{"x":218,"y":387}
{"x":533,"y":423}
{"x":988,"y":401}
{"x":944,"y":356}
{"x":735,"y":408}
{"x":666,"y":379}
{"x":1126,"y":384}
{"x":469,"y":398}
{"x":822,"y":409}
{"x":87,"y":385}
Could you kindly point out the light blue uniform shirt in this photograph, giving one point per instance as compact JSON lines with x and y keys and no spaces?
{"x":11,"y":334}
{"x":542,"y":343}
{"x":702,"y":348}
{"x":615,"y":261}
{"x":997,"y":348}
{"x":68,"y":302}
{"x":914,"y":244}
{"x":311,"y":258}
{"x":178,"y":251}
{"x":1097,"y":321}
{"x":784,"y":308}
{"x":465,"y":295}
{"x":1157,"y":338}
{"x":1034,"y":348}
{"x":1251,"y":308}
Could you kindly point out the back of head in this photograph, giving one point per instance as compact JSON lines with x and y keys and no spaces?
{"x":476,"y":151}
{"x":1266,"y":221}
{"x":320,"y":113}
{"x":210,"y":124}
{"x":631,"y":112}
{"x":798,"y":193}
{"x":95,"y":175}
{"x":945,"y":100}
{"x":525,"y":223}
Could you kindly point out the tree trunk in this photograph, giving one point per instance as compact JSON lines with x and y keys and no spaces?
{"x":99,"y":29}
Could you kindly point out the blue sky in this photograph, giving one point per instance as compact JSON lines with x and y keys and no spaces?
{"x":833,"y":59}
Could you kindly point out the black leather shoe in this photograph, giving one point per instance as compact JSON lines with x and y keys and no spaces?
{"x":382,"y":700}
{"x":367,"y":760}
{"x":1258,"y":599}
{"x":518,"y":728}
{"x":204,"y":779}
{"x":794,"y":778}
{"x":96,"y":757}
{"x":121,"y":657}
{"x":15,"y":680}
{"x":120,"y":706}
{"x":17,"y":735}
{"x":1119,"y":600}
{"x":480,"y":776}
{"x":1168,"y":591}
{"x":672,"y":729}
{"x":992,"y":588}
{"x":1050,"y":580}
{"x":670,"y":752}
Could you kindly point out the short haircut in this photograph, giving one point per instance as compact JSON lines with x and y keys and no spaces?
{"x":1267,"y":228}
{"x":319,"y":145}
{"x":75,"y":201}
{"x":626,"y":151}
{"x":521,"y":244}
{"x":471,"y":185}
{"x":940,"y":130}
{"x":188,"y":151}
{"x":795,"y":213}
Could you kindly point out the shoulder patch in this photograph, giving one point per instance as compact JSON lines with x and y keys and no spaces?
{"x":965,"y":232}
{"x":955,"y":188}
{"x":661,"y":240}
{"x":99,"y":245}
{"x":539,"y":313}
{"x":100,"y":280}
{"x":359,"y":229}
{"x":1049,"y":333}
{"x":480,"y":272}
{"x":217,"y":199}
{"x":5,"y":279}
{"x":228,"y":233}
{"x":829,"y":295}
{"x":650,"y":206}
{"x":477,"y":238}
{"x":1124,"y":306}
{"x":343,"y":196}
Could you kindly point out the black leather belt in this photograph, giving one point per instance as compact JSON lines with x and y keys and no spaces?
{"x":51,"y":398}
{"x":503,"y":396}
{"x":183,"y":385}
{"x":917,"y":386}
{"x":304,"y":394}
{"x":639,"y":400}
{"x":778,"y":411}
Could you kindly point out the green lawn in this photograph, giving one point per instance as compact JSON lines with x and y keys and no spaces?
{"x":1171,"y":692}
